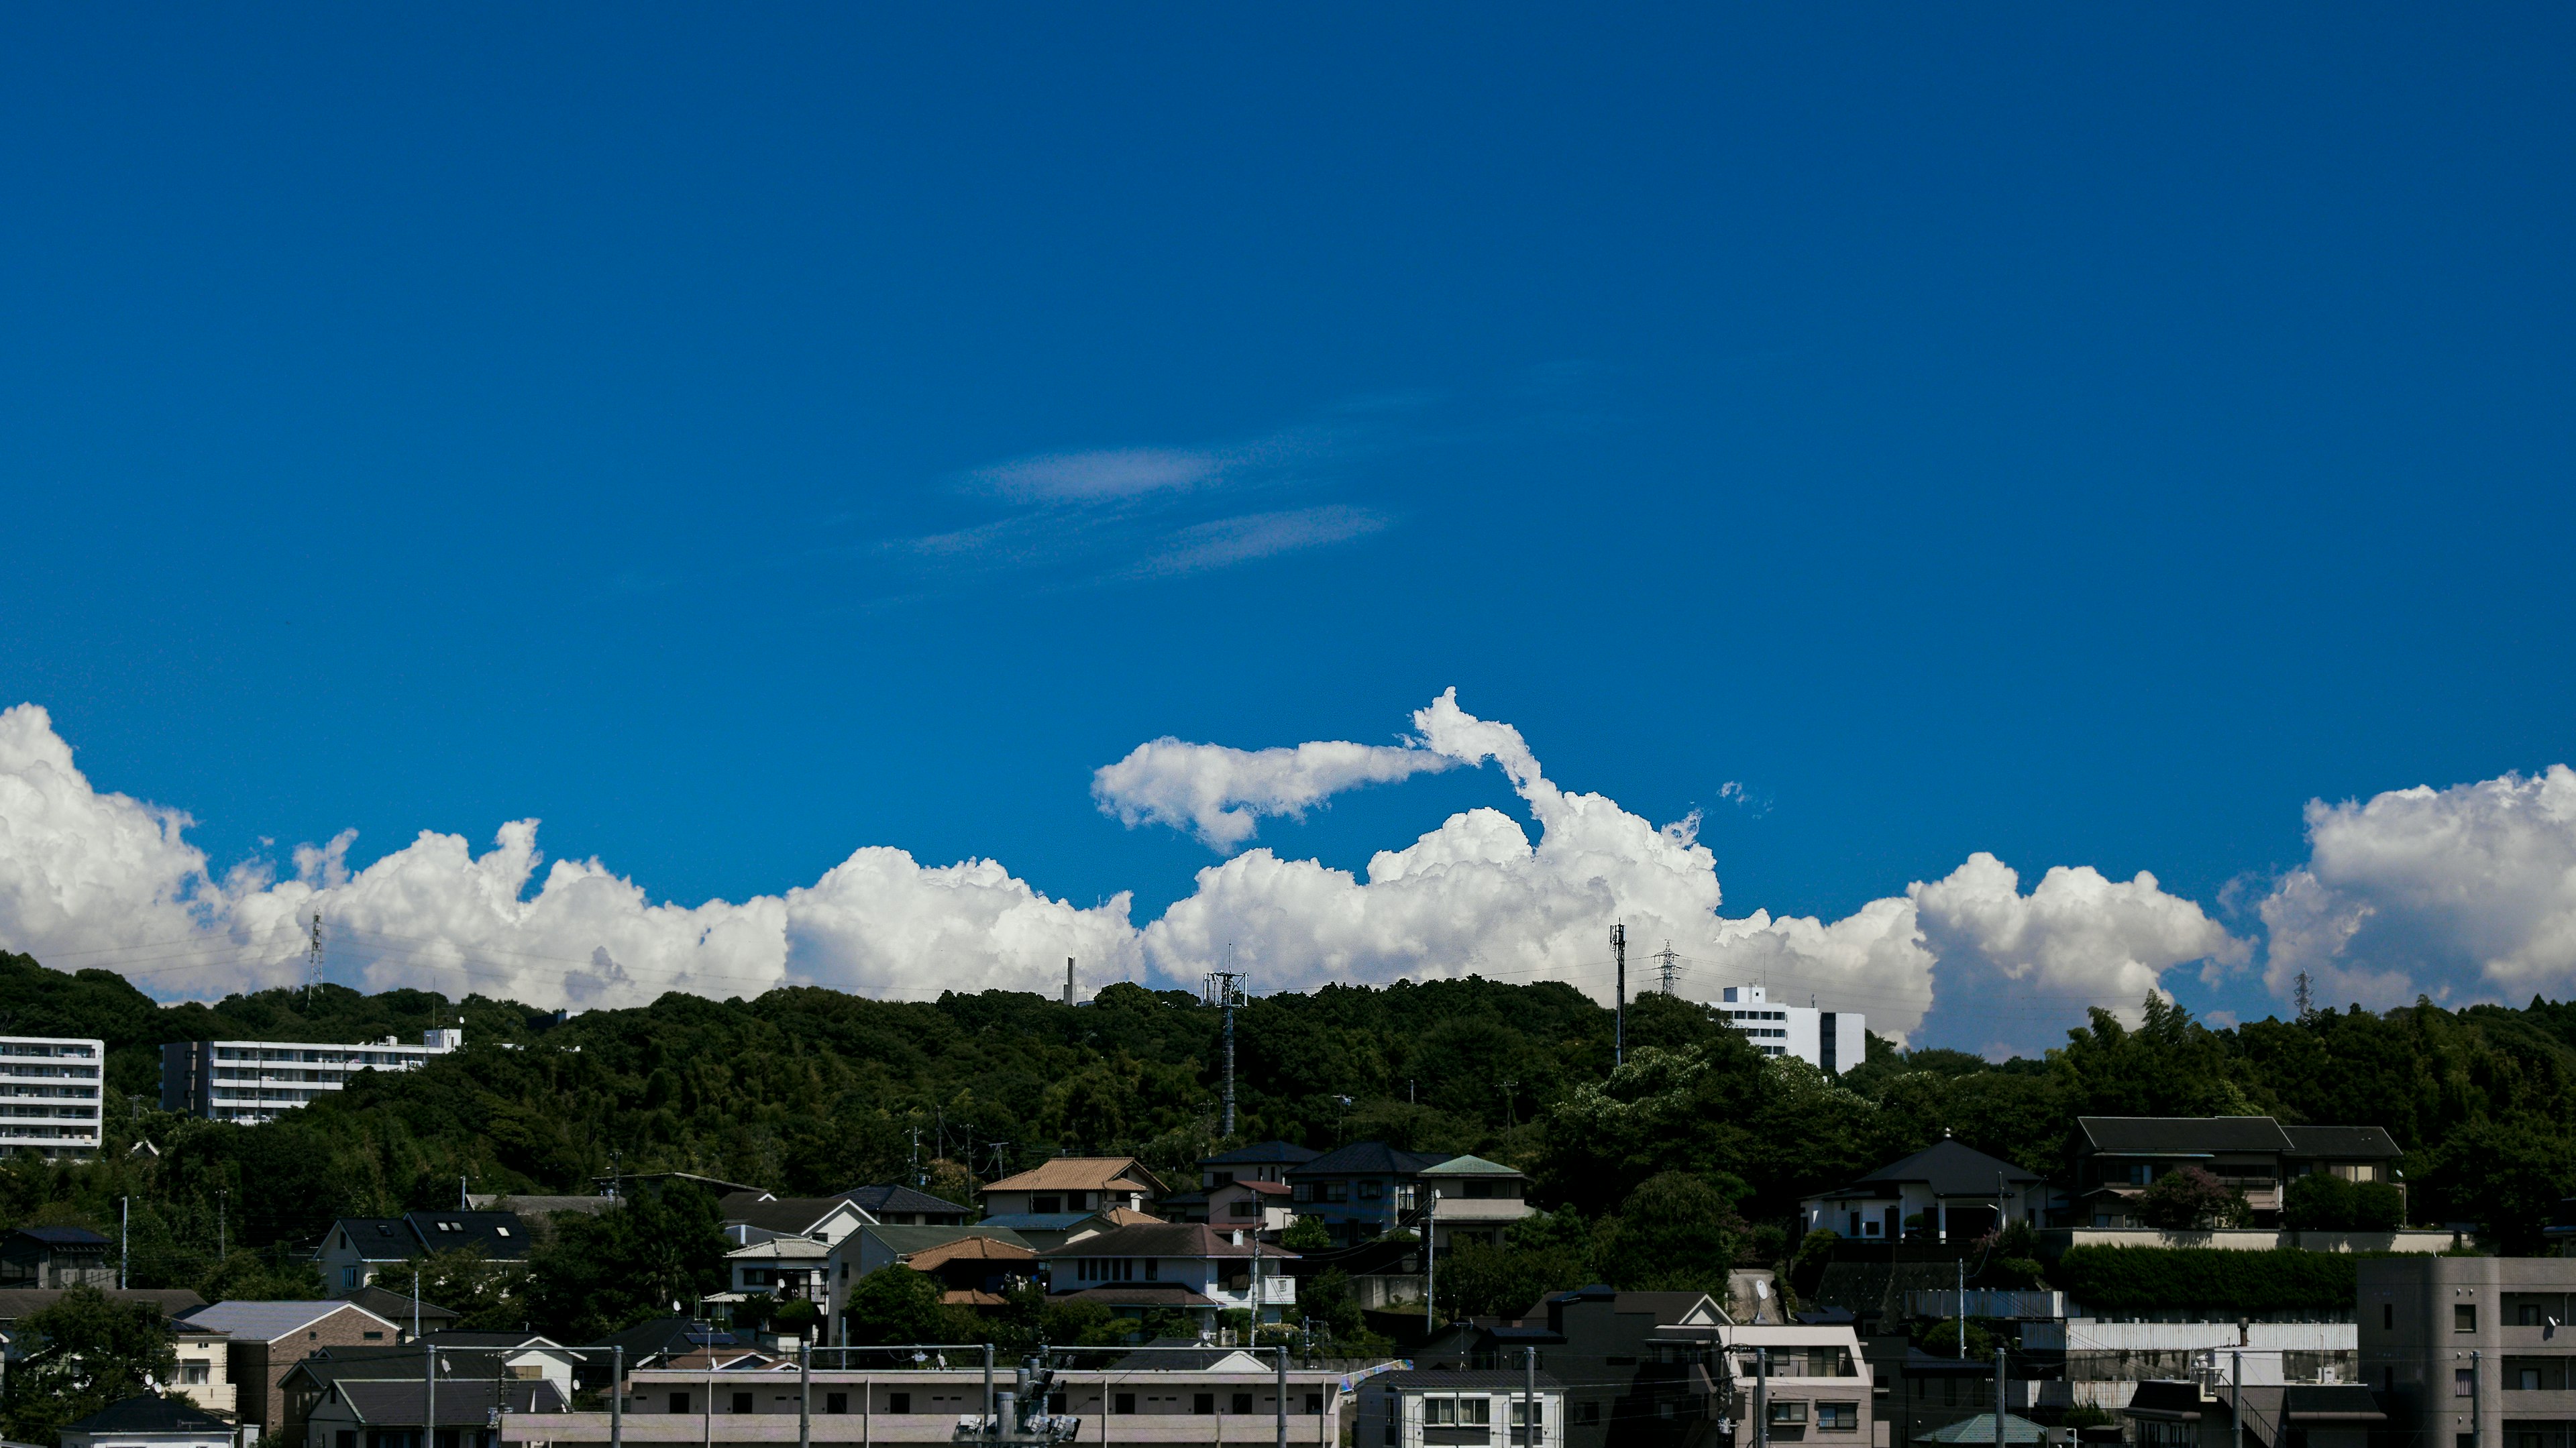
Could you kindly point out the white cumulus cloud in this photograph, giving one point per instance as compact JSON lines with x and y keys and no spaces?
{"x":89,"y":877}
{"x":92,"y":878}
{"x":1477,"y":896}
{"x":1220,"y":793}
{"x":2017,"y":970}
{"x":2460,"y":893}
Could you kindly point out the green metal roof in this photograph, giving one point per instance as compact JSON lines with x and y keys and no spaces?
{"x":1470,"y":1166}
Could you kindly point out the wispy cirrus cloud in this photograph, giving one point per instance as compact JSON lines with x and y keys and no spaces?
{"x":1099,"y":515}
{"x":1224,"y":542}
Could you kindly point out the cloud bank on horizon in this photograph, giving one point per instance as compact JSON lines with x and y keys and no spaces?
{"x":2460,"y":893}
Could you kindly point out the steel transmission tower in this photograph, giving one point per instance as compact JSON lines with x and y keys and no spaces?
{"x":1225,"y":988}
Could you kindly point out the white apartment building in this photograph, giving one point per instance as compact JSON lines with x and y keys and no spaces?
{"x":49,"y":1094}
{"x":1832,"y":1041}
{"x":252,"y":1081}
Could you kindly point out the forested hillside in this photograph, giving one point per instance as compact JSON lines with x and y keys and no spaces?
{"x":809,"y":1090}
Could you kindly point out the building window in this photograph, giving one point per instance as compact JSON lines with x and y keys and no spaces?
{"x":2388,"y":1316}
{"x":1123,"y":1403}
{"x":1337,"y":1191}
{"x":1203,"y":1403}
{"x":1242,"y":1404}
{"x":898,"y":1402}
{"x":195,"y":1372}
{"x":2464,"y":1318}
{"x":1458,"y":1412}
{"x":1046,"y":1205}
{"x":2464,"y":1383}
{"x":1314,"y":1402}
{"x":1789,"y":1413}
{"x":742,"y":1402}
{"x":1520,"y":1413}
{"x":1247,"y":1209}
{"x":1587,"y":1412}
{"x":1372,"y":1191}
{"x":836,"y":1402}
{"x":347,"y":1438}
{"x":1838,"y":1417}
{"x":679,"y":1402}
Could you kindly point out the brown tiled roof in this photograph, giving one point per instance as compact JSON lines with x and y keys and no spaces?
{"x":1081,"y":1174}
{"x":968,"y":1297}
{"x":965,"y":1249}
{"x":1127,"y":1217}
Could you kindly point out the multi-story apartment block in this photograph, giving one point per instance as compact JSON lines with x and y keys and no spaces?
{"x":49,"y":1094}
{"x":252,"y":1081}
{"x":1831,"y":1041}
{"x":2470,"y":1352}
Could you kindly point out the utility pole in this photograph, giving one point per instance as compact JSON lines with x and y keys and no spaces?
{"x":1762,"y":1397}
{"x":1963,"y":1307}
{"x":1619,"y":1026}
{"x":1999,"y":1395}
{"x":617,"y":1397}
{"x":2236,"y":1399}
{"x":1430,"y":1251}
{"x":124,"y":1233}
{"x":1225,"y":988}
{"x":1532,"y":1431}
{"x":313,"y":962}
{"x":804,"y":1394}
{"x":429,"y":1394}
{"x":1282,"y":1350}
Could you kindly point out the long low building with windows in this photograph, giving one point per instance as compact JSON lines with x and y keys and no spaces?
{"x":49,"y":1094}
{"x":253,"y":1081}
{"x":1151,"y":1396}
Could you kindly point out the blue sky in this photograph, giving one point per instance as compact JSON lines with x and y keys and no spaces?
{"x":740,"y":437}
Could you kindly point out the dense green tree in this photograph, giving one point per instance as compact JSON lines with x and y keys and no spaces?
{"x":897,"y":1304}
{"x":1674,"y":1233}
{"x":657,"y":1256}
{"x":77,"y":1356}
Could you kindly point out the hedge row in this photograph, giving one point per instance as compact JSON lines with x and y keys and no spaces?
{"x":2147,"y":1279}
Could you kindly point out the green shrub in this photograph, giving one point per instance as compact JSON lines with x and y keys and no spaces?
{"x":2136,"y":1279}
{"x":2318,"y":1202}
{"x":2378,"y":1207}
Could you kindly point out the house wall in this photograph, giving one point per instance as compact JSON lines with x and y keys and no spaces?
{"x":217,"y":1393}
{"x":259,"y":1369}
{"x":1397,"y":1417}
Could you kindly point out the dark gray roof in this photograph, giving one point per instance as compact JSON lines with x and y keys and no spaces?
{"x":2354,"y":1143}
{"x":1138,"y":1294}
{"x":396,"y":1308}
{"x":661,"y":1336}
{"x":1263,"y":1153}
{"x":788,"y":1215}
{"x":906,"y":1239}
{"x":501,"y":1235}
{"x":397,"y":1402}
{"x":376,"y":1239}
{"x":1489,"y":1378}
{"x":148,"y":1413}
{"x":63,"y":1237}
{"x":2181,"y":1135}
{"x":1368,"y":1158}
{"x":895,"y":1197}
{"x":1950,"y":1169}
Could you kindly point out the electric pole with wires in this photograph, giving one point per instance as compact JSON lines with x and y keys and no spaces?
{"x":1225,"y":988}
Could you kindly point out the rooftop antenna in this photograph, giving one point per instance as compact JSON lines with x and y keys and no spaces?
{"x":313,"y":962}
{"x":1225,"y":988}
{"x":1669,"y":966}
{"x":1619,"y":1024}
{"x":2299,"y":992}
